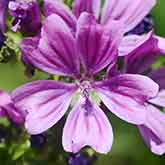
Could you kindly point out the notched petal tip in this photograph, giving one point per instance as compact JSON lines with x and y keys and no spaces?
{"x":158,"y":149}
{"x":87,"y":127}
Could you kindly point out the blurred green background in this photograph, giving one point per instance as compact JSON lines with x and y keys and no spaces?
{"x":128,"y":147}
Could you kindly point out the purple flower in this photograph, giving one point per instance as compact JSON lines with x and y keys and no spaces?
{"x":27,"y":16}
{"x":153,"y":130}
{"x":60,"y":51}
{"x":7,"y":108}
{"x":140,"y":53}
{"x":129,"y":12}
{"x":132,"y":14}
{"x":3,"y":6}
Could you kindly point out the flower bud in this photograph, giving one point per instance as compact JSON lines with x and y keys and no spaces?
{"x":27,"y":16}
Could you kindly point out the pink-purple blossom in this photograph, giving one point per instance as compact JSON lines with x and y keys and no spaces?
{"x":140,"y":54}
{"x":79,"y":44}
{"x":79,"y":47}
{"x":152,"y":130}
{"x":129,"y":12}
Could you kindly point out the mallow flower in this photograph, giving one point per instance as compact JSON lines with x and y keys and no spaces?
{"x":8,"y":109}
{"x":138,"y":59}
{"x":27,"y":16}
{"x":152,"y":130}
{"x":81,"y":56}
{"x":132,"y":14}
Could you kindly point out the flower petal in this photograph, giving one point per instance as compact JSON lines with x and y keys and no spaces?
{"x":152,"y":140}
{"x":28,"y":45}
{"x":97,"y":44}
{"x":2,"y":112}
{"x":131,"y":42}
{"x":161,"y":44}
{"x":5,"y":98}
{"x":14,"y":113}
{"x":7,"y":108}
{"x":56,"y":53}
{"x":87,"y":125}
{"x":128,"y":11}
{"x":92,"y":6}
{"x":125,"y":95}
{"x":45,"y":102}
{"x":159,"y":77}
{"x":159,"y":99}
{"x":153,"y":131}
{"x":57,"y":7}
{"x":3,"y":10}
{"x":140,"y":52}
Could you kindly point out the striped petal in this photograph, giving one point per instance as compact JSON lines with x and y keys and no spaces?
{"x":92,"y":6}
{"x":128,"y":11}
{"x":97,"y":44}
{"x":126,"y":94}
{"x":56,"y":52}
{"x":45,"y":102}
{"x":57,"y":7}
{"x":87,"y":125}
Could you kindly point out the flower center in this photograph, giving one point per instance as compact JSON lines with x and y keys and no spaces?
{"x":85,"y":88}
